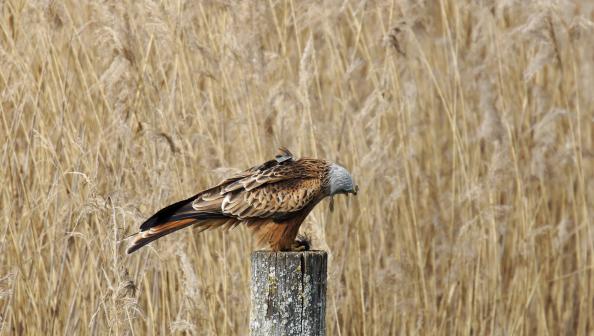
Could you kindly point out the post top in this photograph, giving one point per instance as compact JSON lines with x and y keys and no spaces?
{"x":291,"y":253}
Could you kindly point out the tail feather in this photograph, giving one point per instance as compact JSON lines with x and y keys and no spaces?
{"x":156,"y":232}
{"x":180,"y":210}
{"x":206,"y":214}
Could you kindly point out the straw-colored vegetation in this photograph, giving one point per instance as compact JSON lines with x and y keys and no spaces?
{"x":468,"y":125}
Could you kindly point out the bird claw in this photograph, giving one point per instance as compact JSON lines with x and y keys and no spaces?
{"x":301,"y":244}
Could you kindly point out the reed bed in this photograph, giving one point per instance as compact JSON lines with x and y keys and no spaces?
{"x":468,"y":125}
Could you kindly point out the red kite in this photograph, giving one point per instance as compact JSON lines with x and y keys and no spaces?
{"x":273,"y":199}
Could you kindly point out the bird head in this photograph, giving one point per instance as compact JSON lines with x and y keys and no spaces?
{"x":341,"y":181}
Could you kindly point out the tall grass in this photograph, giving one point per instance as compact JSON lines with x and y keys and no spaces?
{"x":469,"y":126}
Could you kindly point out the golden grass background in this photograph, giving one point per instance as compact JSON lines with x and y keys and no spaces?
{"x":468,"y":125}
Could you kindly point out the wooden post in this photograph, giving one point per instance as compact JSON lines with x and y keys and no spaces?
{"x":288,"y":293}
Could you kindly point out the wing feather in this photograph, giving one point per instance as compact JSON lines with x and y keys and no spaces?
{"x":274,"y":200}
{"x":272,"y":190}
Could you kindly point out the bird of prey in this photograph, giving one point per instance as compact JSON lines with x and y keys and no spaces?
{"x":273,"y":199}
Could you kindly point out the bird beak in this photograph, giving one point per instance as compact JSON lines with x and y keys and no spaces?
{"x":356,"y":190}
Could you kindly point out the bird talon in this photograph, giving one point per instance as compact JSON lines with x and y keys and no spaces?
{"x":301,"y":244}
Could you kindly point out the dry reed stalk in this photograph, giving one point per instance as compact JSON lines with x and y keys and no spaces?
{"x":469,"y":127}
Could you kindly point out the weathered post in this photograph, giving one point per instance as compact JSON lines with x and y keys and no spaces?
{"x":288,"y":293}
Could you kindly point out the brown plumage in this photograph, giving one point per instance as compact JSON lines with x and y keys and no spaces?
{"x":273,"y":199}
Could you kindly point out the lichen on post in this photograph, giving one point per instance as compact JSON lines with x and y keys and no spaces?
{"x":288,"y":293}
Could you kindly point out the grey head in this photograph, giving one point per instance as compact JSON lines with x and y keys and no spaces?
{"x":340,"y":181}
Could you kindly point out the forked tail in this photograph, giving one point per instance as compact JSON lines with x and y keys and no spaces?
{"x":175,"y":217}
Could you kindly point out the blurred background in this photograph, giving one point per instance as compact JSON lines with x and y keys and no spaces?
{"x":468,"y":125}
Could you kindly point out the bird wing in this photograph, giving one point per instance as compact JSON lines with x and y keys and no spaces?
{"x":272,"y":190}
{"x":275,"y":200}
{"x":281,"y":168}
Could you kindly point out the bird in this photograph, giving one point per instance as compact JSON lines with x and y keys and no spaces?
{"x":272,"y":198}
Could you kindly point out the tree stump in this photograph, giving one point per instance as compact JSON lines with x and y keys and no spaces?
{"x":288,"y":293}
